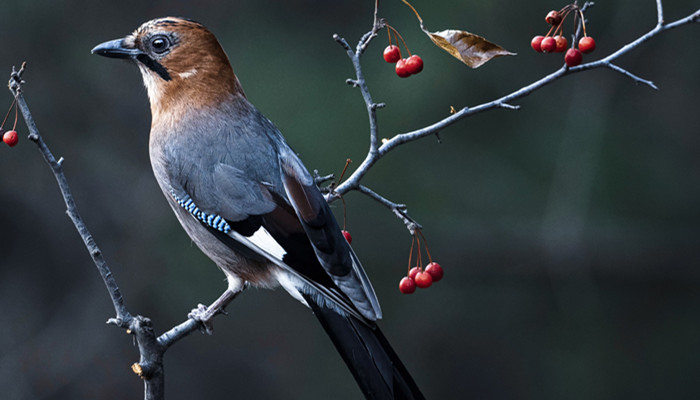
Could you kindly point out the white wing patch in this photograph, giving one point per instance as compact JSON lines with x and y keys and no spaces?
{"x":325,"y":295}
{"x":265,"y":241}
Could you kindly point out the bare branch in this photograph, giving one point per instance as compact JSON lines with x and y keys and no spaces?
{"x":170,"y":337}
{"x":508,"y":106}
{"x":398,"y":209}
{"x":150,"y":365}
{"x":344,"y":43}
{"x":659,"y":13}
{"x":632,"y":76}
{"x":367,"y":38}
{"x":320,"y":180}
{"x":123,"y":317}
{"x":375,"y":153}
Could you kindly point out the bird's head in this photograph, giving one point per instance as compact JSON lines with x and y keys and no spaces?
{"x":181,"y":62}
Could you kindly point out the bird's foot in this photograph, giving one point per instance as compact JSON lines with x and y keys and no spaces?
{"x":205,"y":315}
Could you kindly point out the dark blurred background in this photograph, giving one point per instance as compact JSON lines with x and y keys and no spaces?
{"x":569,"y":230}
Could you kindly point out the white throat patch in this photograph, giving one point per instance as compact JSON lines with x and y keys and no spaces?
{"x":150,"y":80}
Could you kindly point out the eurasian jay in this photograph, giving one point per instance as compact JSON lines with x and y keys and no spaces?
{"x":247,"y":201}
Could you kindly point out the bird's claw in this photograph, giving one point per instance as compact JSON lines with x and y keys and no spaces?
{"x":202,"y":315}
{"x":205,"y":315}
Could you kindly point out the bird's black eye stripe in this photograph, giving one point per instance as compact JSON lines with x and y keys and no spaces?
{"x":154,"y":66}
{"x":160,"y":44}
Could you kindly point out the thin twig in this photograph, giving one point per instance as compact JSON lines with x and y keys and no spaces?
{"x":398,"y":209}
{"x":320,"y":180}
{"x":632,"y":76}
{"x":362,"y":85}
{"x":123,"y":318}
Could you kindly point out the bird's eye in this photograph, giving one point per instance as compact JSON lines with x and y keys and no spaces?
{"x":160,"y":44}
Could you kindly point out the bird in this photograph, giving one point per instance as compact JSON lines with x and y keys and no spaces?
{"x":247,"y":201}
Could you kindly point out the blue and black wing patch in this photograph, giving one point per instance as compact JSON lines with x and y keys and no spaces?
{"x":212,"y":220}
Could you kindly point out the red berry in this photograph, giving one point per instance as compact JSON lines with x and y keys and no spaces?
{"x":586,"y":44}
{"x":562,"y":44}
{"x":414,"y":64}
{"x":347,"y":235}
{"x":10,"y":138}
{"x":402,"y":69}
{"x":435,"y":271}
{"x":423,"y":280}
{"x":392,"y":54}
{"x":536,"y":42}
{"x":407,"y":285}
{"x":548,"y":44}
{"x":573,"y":57}
{"x":553,"y":17}
{"x":414,"y":271}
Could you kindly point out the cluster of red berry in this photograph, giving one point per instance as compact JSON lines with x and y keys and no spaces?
{"x":417,"y":276}
{"x":10,"y":137}
{"x":405,"y":67}
{"x":555,"y":42}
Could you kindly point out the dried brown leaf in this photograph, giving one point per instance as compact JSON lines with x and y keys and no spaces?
{"x":468,"y":48}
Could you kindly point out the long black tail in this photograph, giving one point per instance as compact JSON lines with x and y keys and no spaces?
{"x":377,"y":369}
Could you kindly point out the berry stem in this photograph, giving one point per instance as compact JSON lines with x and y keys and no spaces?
{"x":425,"y":244}
{"x":400,"y":37}
{"x":419,"y":259}
{"x":583,"y":21}
{"x":14,"y":102}
{"x":345,"y":213}
{"x":345,"y":168}
{"x":415,"y":12}
{"x":14,"y":126}
{"x":549,"y":31}
{"x":342,"y":174}
{"x":410,"y":255}
{"x":560,"y":27}
{"x":564,"y":12}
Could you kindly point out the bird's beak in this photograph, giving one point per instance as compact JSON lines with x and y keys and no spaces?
{"x":120,"y":49}
{"x":116,"y":49}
